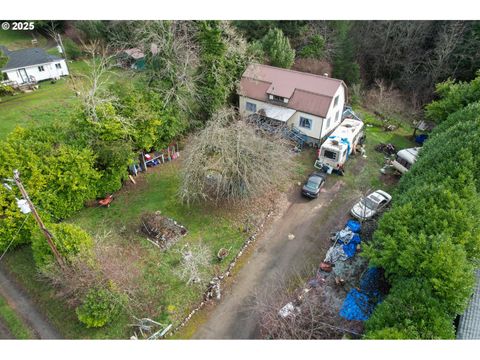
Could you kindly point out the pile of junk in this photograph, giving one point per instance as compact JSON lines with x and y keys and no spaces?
{"x":161,"y":230}
{"x":354,"y":288}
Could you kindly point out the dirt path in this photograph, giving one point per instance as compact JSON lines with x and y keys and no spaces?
{"x":4,"y":332}
{"x":25,"y":308}
{"x":274,"y":257}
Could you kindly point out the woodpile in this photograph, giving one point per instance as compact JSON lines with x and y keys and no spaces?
{"x":162,"y":230}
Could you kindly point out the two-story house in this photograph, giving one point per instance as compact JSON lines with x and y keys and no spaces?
{"x":311,"y":103}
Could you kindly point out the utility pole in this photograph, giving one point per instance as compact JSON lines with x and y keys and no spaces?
{"x":46,"y":233}
{"x":58,"y":39}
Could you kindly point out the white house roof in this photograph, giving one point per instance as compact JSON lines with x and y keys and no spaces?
{"x":27,"y":57}
{"x":469,"y":325}
{"x":277,"y":112}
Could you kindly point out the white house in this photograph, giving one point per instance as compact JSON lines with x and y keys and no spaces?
{"x":32,"y":65}
{"x":311,"y":103}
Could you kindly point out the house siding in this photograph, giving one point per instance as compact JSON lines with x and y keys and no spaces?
{"x":314,"y":133}
{"x":50,"y":71}
{"x":317,"y":123}
{"x":332,"y":110}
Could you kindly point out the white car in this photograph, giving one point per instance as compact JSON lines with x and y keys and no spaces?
{"x":370,"y":205}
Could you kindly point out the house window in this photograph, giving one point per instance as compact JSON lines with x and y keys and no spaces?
{"x":40,"y":68}
{"x":251,"y":107}
{"x":337,"y":116}
{"x":305,"y":123}
{"x":335,"y":102}
{"x":328,"y":123}
{"x":277,"y":98}
{"x":58,"y":66}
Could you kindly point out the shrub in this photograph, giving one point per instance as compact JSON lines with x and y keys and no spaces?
{"x":314,"y":49}
{"x":453,"y":97}
{"x":72,"y":50}
{"x":59,"y":178}
{"x":6,"y":90}
{"x":98,"y":308}
{"x":69,"y":239}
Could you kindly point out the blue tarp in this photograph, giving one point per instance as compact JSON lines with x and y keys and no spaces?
{"x":350,"y":248}
{"x":359,"y":304}
{"x":353,"y":225}
{"x":356,"y":306}
{"x":420,"y":139}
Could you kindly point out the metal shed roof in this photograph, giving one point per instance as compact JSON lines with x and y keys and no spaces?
{"x":469,"y":325}
{"x":277,"y":112}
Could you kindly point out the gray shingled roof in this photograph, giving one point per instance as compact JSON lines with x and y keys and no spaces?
{"x":469,"y":325}
{"x":27,"y":57}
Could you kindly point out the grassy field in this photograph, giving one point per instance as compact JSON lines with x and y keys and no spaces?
{"x":15,"y":40}
{"x":14,"y":324}
{"x":370,"y":176}
{"x":170,"y":297}
{"x":51,"y":102}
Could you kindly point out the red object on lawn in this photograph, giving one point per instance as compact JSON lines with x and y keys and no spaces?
{"x":106,"y":202}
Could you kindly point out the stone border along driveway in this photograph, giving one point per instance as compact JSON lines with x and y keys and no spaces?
{"x":217,"y":280}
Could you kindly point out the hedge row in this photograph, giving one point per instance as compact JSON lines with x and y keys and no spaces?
{"x":429,"y":242}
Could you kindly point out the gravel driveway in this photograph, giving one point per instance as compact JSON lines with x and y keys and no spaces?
{"x":275,"y":256}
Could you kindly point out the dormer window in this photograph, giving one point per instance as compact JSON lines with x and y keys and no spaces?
{"x":276,"y":98}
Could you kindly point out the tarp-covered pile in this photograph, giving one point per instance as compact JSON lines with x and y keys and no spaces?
{"x":345,"y":243}
{"x":360,"y":302}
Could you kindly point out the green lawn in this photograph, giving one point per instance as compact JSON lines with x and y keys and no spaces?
{"x":16,"y":39}
{"x":170,"y":297}
{"x":15,"y":325}
{"x":370,"y":176}
{"x":51,"y":102}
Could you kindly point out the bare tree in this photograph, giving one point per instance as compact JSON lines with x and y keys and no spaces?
{"x":231,"y":160}
{"x":306,"y":314}
{"x":172,"y":54}
{"x":93,"y":84}
{"x":195,"y":260}
{"x":105,"y":265}
{"x":439,"y":64}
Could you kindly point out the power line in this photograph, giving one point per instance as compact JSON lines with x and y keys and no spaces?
{"x":11,"y":242}
{"x":41,"y":225}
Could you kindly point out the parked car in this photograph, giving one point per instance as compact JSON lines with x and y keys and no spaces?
{"x":371,"y":205}
{"x":312,"y":186}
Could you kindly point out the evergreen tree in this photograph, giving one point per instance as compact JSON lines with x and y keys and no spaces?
{"x":345,"y":66}
{"x":278,"y":49}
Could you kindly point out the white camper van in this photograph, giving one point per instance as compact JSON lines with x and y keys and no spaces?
{"x":340,"y":144}
{"x":405,"y":159}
